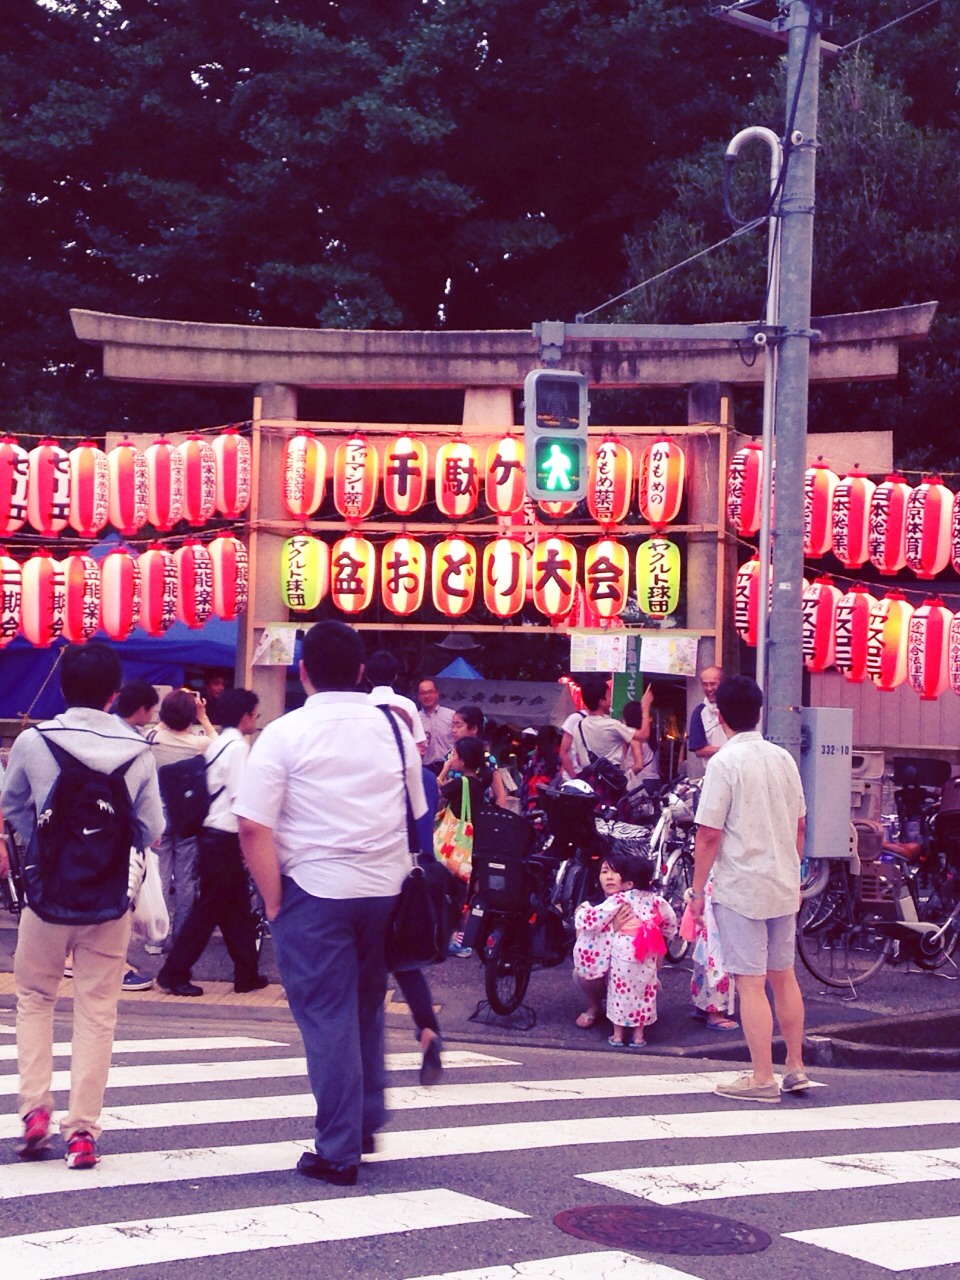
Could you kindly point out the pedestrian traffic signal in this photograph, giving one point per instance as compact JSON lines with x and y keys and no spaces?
{"x":555,"y":430}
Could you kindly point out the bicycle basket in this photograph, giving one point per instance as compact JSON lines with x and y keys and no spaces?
{"x":503,"y":884}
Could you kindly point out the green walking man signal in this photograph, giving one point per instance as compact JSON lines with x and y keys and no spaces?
{"x":555,"y":431}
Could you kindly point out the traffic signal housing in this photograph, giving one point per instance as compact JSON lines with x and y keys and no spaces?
{"x":555,"y":414}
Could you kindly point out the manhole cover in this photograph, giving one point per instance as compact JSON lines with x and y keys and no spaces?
{"x":659,"y":1230}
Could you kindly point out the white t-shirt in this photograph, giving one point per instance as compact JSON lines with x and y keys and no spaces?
{"x":603,"y":735}
{"x":225,"y":759}
{"x":327,"y":780}
{"x":383,"y":696}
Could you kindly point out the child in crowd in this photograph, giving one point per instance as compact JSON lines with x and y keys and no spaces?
{"x":623,"y":940}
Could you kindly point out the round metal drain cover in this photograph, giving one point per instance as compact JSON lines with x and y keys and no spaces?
{"x":652,"y":1228}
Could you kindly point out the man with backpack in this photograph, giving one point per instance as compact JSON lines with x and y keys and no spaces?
{"x":81,"y":793}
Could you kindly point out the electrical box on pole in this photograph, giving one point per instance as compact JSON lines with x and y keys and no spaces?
{"x":555,"y":413}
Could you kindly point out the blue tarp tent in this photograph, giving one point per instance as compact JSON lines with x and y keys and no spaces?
{"x":460,"y":669}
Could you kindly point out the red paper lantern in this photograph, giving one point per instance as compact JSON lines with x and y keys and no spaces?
{"x":606,"y":577}
{"x":454,"y":576}
{"x":353,"y":568}
{"x":928,"y":528}
{"x":158,"y":590}
{"x":745,"y":489}
{"x":119,"y":593}
{"x":164,"y":484}
{"x":457,"y":479}
{"x":819,"y":484}
{"x":928,"y":649}
{"x":853,"y":626}
{"x":355,"y":478}
{"x":504,"y":576}
{"x":554,"y":576}
{"x":199,"y":480}
{"x":42,"y":601}
{"x":231,"y":574}
{"x":11,"y":594}
{"x":304,"y":474}
{"x":89,"y":489}
{"x":748,"y":602}
{"x":888,"y":525}
{"x":663,"y":467}
{"x":819,"y":603}
{"x":81,"y":597}
{"x":128,"y":488}
{"x":887,"y":641}
{"x":557,"y":509}
{"x":403,"y":573}
{"x":505,"y":480}
{"x":405,"y":470}
{"x":194,"y":583}
{"x":14,"y":485}
{"x":852,"y":499}
{"x":305,"y":572}
{"x":609,"y":482}
{"x":231,"y":452}
{"x":48,"y":488}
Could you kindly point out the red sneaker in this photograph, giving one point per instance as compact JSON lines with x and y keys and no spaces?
{"x":36,"y":1134}
{"x":82,"y":1150}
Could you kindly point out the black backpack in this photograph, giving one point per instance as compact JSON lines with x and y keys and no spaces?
{"x":183,"y":789}
{"x":78,"y":867}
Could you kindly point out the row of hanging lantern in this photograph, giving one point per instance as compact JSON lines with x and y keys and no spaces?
{"x":404,"y":475}
{"x":46,"y":598}
{"x":894,"y":525}
{"x":50,"y":488}
{"x":885,"y":640}
{"x":506,"y":572}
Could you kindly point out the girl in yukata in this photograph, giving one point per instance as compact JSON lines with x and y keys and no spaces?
{"x":624,"y":941}
{"x":712,"y":989}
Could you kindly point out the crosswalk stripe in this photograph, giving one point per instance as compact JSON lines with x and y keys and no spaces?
{"x":171,"y":1044}
{"x":675,"y":1184}
{"x":895,"y":1246}
{"x":608,"y":1265}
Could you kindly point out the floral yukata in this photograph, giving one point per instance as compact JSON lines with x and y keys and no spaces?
{"x":632,"y":983}
{"x":711,"y":987}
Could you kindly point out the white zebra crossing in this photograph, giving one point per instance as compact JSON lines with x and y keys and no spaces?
{"x":168,"y":1044}
{"x":895,"y":1246}
{"x":608,"y":1265}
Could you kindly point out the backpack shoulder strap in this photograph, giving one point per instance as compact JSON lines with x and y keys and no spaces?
{"x":412,"y":836}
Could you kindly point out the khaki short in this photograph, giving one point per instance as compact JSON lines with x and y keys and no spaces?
{"x":754,"y":947}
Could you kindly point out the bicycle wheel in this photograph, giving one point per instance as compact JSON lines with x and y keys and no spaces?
{"x":838,"y":947}
{"x":506,"y":972}
{"x":678,"y":881}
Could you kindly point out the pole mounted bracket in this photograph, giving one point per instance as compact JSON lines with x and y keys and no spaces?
{"x":765,"y":335}
{"x":552,"y":334}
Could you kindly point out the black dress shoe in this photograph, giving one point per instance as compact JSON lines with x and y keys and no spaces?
{"x":431,"y":1068}
{"x":180,"y":988}
{"x":256,"y":984}
{"x":368,"y":1144}
{"x":338,"y":1175}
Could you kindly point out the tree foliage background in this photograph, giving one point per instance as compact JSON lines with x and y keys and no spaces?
{"x":457,"y":163}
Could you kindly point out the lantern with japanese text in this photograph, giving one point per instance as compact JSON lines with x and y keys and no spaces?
{"x":819,"y":603}
{"x":353,"y":568}
{"x":41,"y":602}
{"x":194,"y":583}
{"x":355,"y":468}
{"x":48,"y":487}
{"x":887,"y":641}
{"x":609,"y":481}
{"x":405,"y":471}
{"x":504,"y":576}
{"x":928,"y":649}
{"x":852,"y":499}
{"x":304,"y":572}
{"x":14,"y":483}
{"x":199,"y":480}
{"x":304,"y":474}
{"x":231,"y":575}
{"x":403,"y":573}
{"x":554,"y":576}
{"x":119,"y":593}
{"x":454,"y":576}
{"x":888,"y":525}
{"x":11,"y":591}
{"x":457,"y":479}
{"x":853,"y":627}
{"x":745,"y":489}
{"x":164,"y":484}
{"x":658,"y":577}
{"x":748,"y":602}
{"x":929,"y":526}
{"x":953,"y":654}
{"x":606,"y":577}
{"x":819,"y":483}
{"x":81,"y":597}
{"x":89,"y":489}
{"x":505,"y":478}
{"x":128,"y":492}
{"x":556,"y":510}
{"x":662,"y":475}
{"x":158,"y":590}
{"x":232,"y":457}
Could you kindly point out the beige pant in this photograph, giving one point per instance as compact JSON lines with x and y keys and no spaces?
{"x":99,"y":963}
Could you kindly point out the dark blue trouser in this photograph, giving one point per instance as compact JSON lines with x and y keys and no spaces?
{"x":330,"y":954}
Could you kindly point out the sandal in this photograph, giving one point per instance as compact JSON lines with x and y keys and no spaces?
{"x":723,"y":1024}
{"x":589,"y":1018}
{"x":618,"y":1044}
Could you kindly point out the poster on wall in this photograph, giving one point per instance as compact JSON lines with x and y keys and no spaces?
{"x":604,"y":652}
{"x":669,"y":655}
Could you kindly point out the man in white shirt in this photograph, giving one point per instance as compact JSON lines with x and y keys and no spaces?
{"x":323,"y":827}
{"x":224,"y":896}
{"x":382,"y":670}
{"x":750,"y":830}
{"x":437,"y":725}
{"x":705,"y":736}
{"x":596,"y":732}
